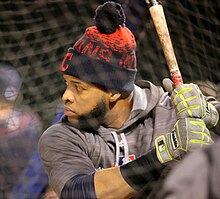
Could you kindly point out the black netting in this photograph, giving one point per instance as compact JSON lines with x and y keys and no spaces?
{"x":35,"y":35}
{"x":194,"y":30}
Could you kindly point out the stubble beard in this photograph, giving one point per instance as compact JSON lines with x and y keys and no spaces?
{"x":94,"y":118}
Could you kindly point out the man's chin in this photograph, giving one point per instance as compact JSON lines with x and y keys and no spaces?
{"x":91,"y":123}
{"x":91,"y":120}
{"x":72,"y":120}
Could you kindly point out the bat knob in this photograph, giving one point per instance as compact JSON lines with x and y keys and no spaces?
{"x":152,"y":2}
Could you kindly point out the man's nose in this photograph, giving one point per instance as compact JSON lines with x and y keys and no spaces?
{"x":68,"y":96}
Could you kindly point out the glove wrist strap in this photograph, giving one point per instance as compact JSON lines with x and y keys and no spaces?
{"x":142,"y":171}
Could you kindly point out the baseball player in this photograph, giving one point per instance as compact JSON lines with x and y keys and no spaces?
{"x":118,"y":135}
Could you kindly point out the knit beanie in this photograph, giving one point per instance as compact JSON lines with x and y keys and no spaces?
{"x":105,"y":54}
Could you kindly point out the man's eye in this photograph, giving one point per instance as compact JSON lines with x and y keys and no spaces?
{"x":78,"y":88}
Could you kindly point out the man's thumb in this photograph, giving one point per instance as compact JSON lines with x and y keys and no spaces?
{"x":168,"y":85}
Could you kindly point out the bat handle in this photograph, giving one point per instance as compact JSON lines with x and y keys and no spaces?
{"x":176,"y":77}
{"x":157,"y":13}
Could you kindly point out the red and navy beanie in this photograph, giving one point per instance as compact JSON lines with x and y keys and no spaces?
{"x":105,"y":54}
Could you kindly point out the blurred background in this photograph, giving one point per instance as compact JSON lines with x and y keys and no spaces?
{"x":35,"y":35}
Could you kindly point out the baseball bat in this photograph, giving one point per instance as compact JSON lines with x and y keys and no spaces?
{"x":159,"y":20}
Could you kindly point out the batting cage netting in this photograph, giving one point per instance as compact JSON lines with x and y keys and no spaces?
{"x":35,"y":36}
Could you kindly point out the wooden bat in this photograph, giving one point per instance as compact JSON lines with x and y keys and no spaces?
{"x":159,"y":20}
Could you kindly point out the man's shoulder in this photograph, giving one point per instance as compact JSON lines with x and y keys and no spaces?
{"x":147,"y":84}
{"x":59,"y":135}
{"x":156,"y":95}
{"x":153,"y":90}
{"x":60,"y":128}
{"x":63,"y":131}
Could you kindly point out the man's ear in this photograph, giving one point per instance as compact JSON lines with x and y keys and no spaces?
{"x":114,"y":96}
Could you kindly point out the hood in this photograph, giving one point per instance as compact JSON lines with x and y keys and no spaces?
{"x":146,"y":97}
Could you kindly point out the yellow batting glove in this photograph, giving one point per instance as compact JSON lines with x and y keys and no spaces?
{"x":188,"y":134}
{"x":211,"y":117}
{"x":189,"y":101}
{"x":187,"y":98}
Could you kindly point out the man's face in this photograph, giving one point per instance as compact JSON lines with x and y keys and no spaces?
{"x":85,"y":105}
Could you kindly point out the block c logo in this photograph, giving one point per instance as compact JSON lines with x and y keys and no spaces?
{"x":64,"y":65}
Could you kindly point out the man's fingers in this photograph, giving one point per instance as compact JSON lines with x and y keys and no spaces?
{"x":168,"y":85}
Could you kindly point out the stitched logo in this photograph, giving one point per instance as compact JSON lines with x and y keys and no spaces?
{"x":65,"y":63}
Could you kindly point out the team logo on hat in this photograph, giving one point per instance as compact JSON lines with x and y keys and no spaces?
{"x":65,"y":63}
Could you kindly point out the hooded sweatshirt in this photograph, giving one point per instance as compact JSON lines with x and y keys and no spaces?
{"x":67,"y":151}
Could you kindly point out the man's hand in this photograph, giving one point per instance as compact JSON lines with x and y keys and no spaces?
{"x":187,"y":98}
{"x":190,"y":102}
{"x":212,"y":116}
{"x":187,"y":135}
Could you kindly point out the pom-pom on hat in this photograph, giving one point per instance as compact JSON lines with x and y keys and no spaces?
{"x":105,"y":54}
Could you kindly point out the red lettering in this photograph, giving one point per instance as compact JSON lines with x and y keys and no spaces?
{"x":95,"y":50}
{"x":88,"y":48}
{"x":104,"y":54}
{"x":78,"y":45}
{"x":127,"y":61}
{"x":64,"y":66}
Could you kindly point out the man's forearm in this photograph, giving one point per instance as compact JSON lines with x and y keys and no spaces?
{"x":129,"y":179}
{"x":116,"y":182}
{"x":109,"y":184}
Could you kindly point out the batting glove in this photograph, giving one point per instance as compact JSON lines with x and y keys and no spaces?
{"x":211,"y":117}
{"x":187,"y":98}
{"x":187,"y":135}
